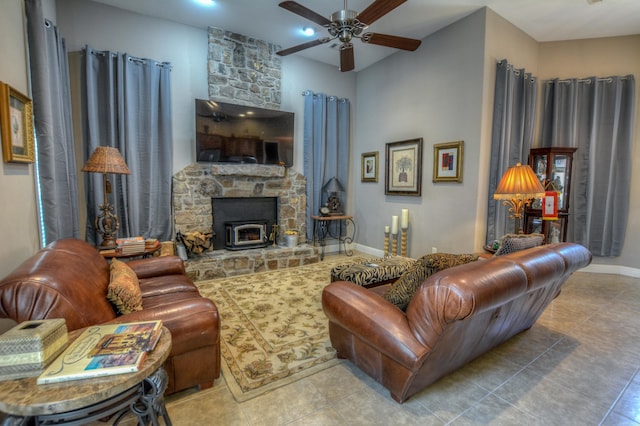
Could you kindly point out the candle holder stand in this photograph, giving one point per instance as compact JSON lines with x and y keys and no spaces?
{"x":403,"y":242}
{"x":386,"y":245}
{"x":394,"y":244}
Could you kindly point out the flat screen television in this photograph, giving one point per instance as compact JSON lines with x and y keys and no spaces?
{"x":230,"y":133}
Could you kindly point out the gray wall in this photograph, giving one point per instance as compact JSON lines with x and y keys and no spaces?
{"x":18,"y":212}
{"x":434,"y":93}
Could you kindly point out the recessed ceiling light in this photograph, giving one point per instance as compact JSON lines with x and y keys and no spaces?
{"x":205,"y":2}
{"x":308,"y":31}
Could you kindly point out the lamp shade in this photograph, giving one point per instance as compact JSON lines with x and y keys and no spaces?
{"x":333,"y":185}
{"x":520,"y":182}
{"x":106,"y":159}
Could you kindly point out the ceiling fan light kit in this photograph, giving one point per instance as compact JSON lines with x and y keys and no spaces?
{"x":345,"y":25}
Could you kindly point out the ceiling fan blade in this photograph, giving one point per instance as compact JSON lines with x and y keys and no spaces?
{"x":391,"y":41}
{"x":347,"y":62}
{"x":299,"y":9}
{"x":303,"y":46}
{"x":377,"y":10}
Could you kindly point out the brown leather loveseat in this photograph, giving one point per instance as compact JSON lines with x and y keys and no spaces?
{"x":456,"y":315}
{"x":69,"y":278}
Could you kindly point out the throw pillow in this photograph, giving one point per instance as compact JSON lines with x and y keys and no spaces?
{"x":511,"y":243}
{"x":402,"y":291}
{"x":124,"y":288}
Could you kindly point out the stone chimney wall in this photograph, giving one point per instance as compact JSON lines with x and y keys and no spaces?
{"x":243,"y":70}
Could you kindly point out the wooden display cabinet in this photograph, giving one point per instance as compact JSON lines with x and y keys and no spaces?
{"x":552,"y":166}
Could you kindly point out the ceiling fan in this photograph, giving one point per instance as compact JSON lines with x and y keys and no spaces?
{"x":345,"y":25}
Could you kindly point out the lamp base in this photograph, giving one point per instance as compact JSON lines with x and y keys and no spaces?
{"x":107,"y":244}
{"x":107,"y":225}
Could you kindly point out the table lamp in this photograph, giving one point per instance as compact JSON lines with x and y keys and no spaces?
{"x":106,"y":160}
{"x":332,"y":187}
{"x":517,"y":188}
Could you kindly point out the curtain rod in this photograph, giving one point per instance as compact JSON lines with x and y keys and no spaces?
{"x":309,"y":92}
{"x":131,"y":58}
{"x":585,"y":80}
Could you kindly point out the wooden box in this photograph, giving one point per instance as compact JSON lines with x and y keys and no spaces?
{"x":29,"y":347}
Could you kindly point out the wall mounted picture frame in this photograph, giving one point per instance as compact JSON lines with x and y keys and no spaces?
{"x":370,"y":167}
{"x":447,"y":161}
{"x":16,"y":126}
{"x":404,"y":168}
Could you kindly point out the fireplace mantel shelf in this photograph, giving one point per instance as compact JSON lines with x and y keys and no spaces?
{"x":257,"y":170}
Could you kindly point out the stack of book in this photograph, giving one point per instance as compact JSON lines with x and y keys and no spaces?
{"x":103,"y":350}
{"x":131,"y":245}
{"x":151,"y":243}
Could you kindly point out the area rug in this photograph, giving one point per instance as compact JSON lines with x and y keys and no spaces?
{"x":273,"y":329}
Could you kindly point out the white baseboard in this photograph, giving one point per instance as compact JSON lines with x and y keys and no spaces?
{"x":334,"y":248}
{"x":626,"y":271}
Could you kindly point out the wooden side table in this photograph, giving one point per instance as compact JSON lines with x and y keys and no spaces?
{"x":322,"y":230}
{"x":86,"y":400}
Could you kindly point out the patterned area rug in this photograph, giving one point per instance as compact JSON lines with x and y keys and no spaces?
{"x":274,"y":331}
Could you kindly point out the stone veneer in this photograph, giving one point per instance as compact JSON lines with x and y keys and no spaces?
{"x":197,"y":184}
{"x":243,"y":70}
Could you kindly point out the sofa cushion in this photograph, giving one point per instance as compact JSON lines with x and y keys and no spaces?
{"x":401,"y":292}
{"x":124,"y":288}
{"x":364,"y":274}
{"x":511,"y":243}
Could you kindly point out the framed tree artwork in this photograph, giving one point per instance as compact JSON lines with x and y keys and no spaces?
{"x":447,"y":162}
{"x":16,"y":126}
{"x":370,"y":167}
{"x":404,"y":168}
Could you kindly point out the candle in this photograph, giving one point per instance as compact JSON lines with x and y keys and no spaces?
{"x":386,"y":229}
{"x":394,"y":224}
{"x":405,"y":219}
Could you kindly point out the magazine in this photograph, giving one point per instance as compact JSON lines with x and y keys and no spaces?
{"x":104,"y":350}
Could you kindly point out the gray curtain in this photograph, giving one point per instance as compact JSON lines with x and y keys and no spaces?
{"x":127,"y":105}
{"x":514,"y":112}
{"x":55,"y":156}
{"x":596,"y":116}
{"x":326,"y":148}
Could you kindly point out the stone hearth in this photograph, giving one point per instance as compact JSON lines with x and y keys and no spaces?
{"x":227,"y":263}
{"x":197,"y":184}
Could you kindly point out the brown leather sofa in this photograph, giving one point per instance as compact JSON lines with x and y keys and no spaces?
{"x":69,"y":278}
{"x":456,"y":315}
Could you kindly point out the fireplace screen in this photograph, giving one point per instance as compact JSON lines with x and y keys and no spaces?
{"x":238,"y":211}
{"x":242,"y":235}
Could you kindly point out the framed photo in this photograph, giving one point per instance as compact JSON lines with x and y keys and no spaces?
{"x":370,"y":167}
{"x":16,"y":126}
{"x":404,"y":168}
{"x":447,"y":161}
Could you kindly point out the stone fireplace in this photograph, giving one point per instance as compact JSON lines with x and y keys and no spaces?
{"x":196,"y":185}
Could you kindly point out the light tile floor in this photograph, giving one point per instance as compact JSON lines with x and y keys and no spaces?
{"x":578,"y":365}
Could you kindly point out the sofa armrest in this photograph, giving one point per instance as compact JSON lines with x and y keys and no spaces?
{"x":374,"y":320}
{"x":157,"y":266}
{"x":194,"y":322}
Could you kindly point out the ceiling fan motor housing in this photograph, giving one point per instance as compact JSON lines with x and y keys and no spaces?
{"x":345,"y":26}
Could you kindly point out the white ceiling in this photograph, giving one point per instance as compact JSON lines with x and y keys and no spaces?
{"x":543,"y":20}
